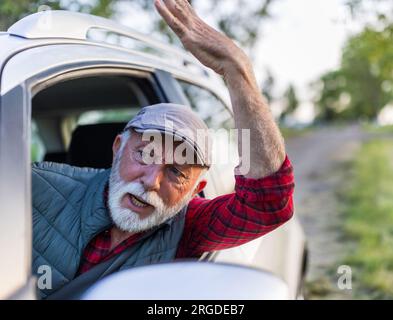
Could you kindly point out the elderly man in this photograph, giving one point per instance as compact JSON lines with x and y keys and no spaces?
{"x":89,"y":223}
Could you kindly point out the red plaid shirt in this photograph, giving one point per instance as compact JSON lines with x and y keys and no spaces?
{"x":257,"y":207}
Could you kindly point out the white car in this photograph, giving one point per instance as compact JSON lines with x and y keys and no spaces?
{"x":67,"y":77}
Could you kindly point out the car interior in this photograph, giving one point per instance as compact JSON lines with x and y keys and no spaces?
{"x":75,"y":121}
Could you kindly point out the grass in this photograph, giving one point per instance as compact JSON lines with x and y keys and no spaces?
{"x":372,"y":128}
{"x":289,"y":132}
{"x":320,"y":289}
{"x":368,"y":220}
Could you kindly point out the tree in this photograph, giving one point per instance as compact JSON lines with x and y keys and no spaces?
{"x":363,"y":84}
{"x":382,"y":10}
{"x":13,"y":10}
{"x":268,"y":86}
{"x":291,"y":102}
{"x":330,"y":87}
{"x":239,"y":19}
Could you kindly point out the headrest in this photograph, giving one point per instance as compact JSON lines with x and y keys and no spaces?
{"x":91,"y":145}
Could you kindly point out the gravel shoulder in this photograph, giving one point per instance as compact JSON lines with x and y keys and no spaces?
{"x":320,"y":158}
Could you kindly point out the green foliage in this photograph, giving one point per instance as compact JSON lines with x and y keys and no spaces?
{"x":376,"y":129}
{"x":363,"y":84}
{"x":37,"y":148}
{"x":242,"y":25}
{"x":13,"y":10}
{"x":368,"y":220}
{"x":381,"y":9}
{"x":268,"y":86}
{"x":293,"y":132}
{"x":291,"y":102}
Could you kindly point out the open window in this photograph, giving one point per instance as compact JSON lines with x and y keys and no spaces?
{"x":76,"y":120}
{"x":218,"y":118}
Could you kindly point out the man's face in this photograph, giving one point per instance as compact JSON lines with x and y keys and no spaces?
{"x":143,"y":194}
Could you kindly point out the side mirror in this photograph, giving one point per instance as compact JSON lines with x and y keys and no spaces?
{"x":189,"y":281}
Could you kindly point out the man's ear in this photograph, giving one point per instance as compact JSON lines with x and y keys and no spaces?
{"x":116,"y":146}
{"x":201,"y":185}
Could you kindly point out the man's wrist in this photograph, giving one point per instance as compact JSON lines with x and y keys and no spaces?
{"x":239,"y":75}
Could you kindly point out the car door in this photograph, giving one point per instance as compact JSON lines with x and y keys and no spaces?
{"x":282,"y":250}
{"x":23,"y":77}
{"x":15,"y":216}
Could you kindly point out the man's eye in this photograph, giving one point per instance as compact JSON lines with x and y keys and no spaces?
{"x":138,"y":155}
{"x":176,"y":172}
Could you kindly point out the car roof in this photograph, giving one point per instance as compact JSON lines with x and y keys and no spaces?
{"x":45,"y":31}
{"x":53,"y":27}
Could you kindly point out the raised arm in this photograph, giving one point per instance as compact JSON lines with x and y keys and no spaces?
{"x":218,"y":52}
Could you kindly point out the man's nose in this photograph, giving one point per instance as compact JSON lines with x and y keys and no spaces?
{"x":152,"y":177}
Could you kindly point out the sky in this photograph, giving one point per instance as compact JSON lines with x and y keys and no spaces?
{"x":302,"y":41}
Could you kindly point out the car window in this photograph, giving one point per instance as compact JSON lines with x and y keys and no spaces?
{"x":37,"y":147}
{"x":208,"y":106}
{"x":217,"y":117}
{"x":106,"y":116}
{"x":86,"y":107}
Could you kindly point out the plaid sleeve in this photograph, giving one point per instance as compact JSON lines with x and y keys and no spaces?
{"x":257,"y":207}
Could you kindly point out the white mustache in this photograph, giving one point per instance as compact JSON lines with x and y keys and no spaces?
{"x":137,"y":189}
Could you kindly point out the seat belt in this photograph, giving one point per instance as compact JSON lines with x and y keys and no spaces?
{"x":74,"y":289}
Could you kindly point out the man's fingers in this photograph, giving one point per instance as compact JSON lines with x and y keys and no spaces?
{"x":179,"y":9}
{"x":184,"y":6}
{"x":170,"y":19}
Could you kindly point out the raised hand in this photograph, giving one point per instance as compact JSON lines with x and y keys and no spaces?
{"x":218,"y":52}
{"x":210,"y":47}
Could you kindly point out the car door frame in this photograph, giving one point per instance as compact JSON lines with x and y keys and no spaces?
{"x":15,"y":122}
{"x":15,"y":194}
{"x":15,"y":127}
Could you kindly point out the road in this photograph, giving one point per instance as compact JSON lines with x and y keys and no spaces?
{"x":318,"y":158}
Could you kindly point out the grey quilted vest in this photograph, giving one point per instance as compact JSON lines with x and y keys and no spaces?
{"x":69,"y":210}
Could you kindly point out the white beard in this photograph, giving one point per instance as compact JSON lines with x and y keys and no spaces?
{"x":128,"y":220}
